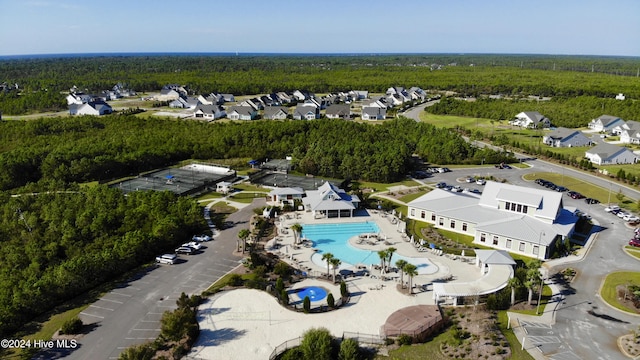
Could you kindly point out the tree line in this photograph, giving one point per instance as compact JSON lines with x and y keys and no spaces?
{"x":82,"y":149}
{"x":39,"y":79}
{"x":570,"y":112}
{"x":58,"y":245}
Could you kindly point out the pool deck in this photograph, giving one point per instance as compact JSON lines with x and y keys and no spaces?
{"x":250,"y":324}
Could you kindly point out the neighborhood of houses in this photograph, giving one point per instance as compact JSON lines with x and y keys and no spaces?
{"x":303,"y":105}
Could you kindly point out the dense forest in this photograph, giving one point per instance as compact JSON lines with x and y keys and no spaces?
{"x":572,"y":112}
{"x":80,"y":149}
{"x":57,"y":245}
{"x":42,"y":82}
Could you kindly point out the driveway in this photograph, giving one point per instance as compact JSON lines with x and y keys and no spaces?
{"x":130,"y":314}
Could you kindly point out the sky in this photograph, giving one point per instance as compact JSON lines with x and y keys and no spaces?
{"x":560,"y":27}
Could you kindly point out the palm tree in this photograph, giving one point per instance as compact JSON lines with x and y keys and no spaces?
{"x":400,"y":264}
{"x":383,"y":257}
{"x":327,"y":257}
{"x":390,"y":252}
{"x":533,"y":279}
{"x":513,"y":284}
{"x":243,"y":235}
{"x":411,"y":271}
{"x":297,"y":230}
{"x":335,"y":263}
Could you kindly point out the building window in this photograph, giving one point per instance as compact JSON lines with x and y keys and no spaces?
{"x":464,"y":226}
{"x":513,"y":207}
{"x":453,"y":224}
{"x":519,"y":208}
{"x":495,"y":240}
{"x":483,"y":237}
{"x":525,"y":208}
{"x":413,"y":212}
{"x":441,"y":221}
{"x":507,"y":205}
{"x":433,"y":217}
{"x":535,"y":249}
{"x":422,"y":215}
{"x":521,"y":247}
{"x":508,"y":243}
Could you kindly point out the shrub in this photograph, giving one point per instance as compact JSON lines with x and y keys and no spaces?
{"x":235,"y":280}
{"x":279,"y":286}
{"x":284,"y":297}
{"x":331,"y":301}
{"x":343,"y":289}
{"x":306,"y":304}
{"x":349,"y":350}
{"x":317,"y":344}
{"x":72,"y":326}
{"x":282,"y":269}
{"x":405,"y":339}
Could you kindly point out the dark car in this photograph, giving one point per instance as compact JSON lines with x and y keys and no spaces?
{"x":560,"y":188}
{"x":634,"y":242}
{"x":592,"y":201}
{"x":441,"y":185}
{"x":541,"y":182}
{"x":549,"y":185}
{"x":575,"y":195}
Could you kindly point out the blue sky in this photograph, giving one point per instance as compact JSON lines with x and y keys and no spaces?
{"x":577,"y":27}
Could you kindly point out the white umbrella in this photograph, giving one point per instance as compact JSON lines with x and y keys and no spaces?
{"x":462,"y":253}
{"x":412,"y":241}
{"x":393,"y":212}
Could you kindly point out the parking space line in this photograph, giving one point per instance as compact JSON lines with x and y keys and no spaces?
{"x":145,"y":329}
{"x":114,"y":301}
{"x":121,"y":294}
{"x":100,"y":307}
{"x":87,"y":314}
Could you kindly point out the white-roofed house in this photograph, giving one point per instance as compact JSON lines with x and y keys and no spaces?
{"x":517,"y":219}
{"x":373,"y":113}
{"x":330,"y":201}
{"x":286,"y":196}
{"x":563,"y":137}
{"x":531,"y":120}
{"x":95,"y":108}
{"x":629,"y":132}
{"x":242,"y":113}
{"x":209,"y":112}
{"x":608,"y":154}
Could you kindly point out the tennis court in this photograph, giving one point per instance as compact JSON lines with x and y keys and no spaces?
{"x":279,"y":179}
{"x":179,"y":181}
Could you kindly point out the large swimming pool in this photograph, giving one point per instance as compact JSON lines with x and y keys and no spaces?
{"x":334,"y":238}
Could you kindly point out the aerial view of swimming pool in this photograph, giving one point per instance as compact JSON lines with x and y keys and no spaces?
{"x":334,"y":238}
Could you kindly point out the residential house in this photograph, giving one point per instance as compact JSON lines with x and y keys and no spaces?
{"x":79,"y":98}
{"x":283,"y":98}
{"x":275,"y":113}
{"x":95,"y":108}
{"x":241,"y":113}
{"x":338,"y":111}
{"x":306,"y":112}
{"x":227,"y":97}
{"x":609,"y":154}
{"x":380,"y":102}
{"x":256,"y":105}
{"x":286,"y":196}
{"x":394,"y":100}
{"x":209,"y":112}
{"x":629,"y":132}
{"x":330,"y":201}
{"x":373,"y":113}
{"x":605,"y":123}
{"x":522,"y":220}
{"x":187,"y":102}
{"x":563,"y":137}
{"x":301,"y":96}
{"x":417,"y":94}
{"x":531,"y":120}
{"x":359,"y":95}
{"x":224,"y":187}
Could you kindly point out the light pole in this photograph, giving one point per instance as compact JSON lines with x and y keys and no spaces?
{"x":539,"y":242}
{"x":540,"y":294}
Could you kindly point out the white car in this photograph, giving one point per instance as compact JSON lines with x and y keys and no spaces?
{"x":612,"y":208}
{"x":622,"y":214}
{"x":631,"y":218}
{"x":481,"y":181}
{"x":167,"y":259}
{"x":194,"y":245}
{"x":201,"y":238}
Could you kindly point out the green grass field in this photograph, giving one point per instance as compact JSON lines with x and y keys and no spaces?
{"x":586,"y":189}
{"x":609,"y":292}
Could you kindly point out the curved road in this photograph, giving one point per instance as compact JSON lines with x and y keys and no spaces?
{"x":585,"y":326}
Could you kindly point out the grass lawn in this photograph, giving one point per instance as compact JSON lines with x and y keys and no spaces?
{"x":633,"y":251}
{"x":609,"y":293}
{"x":410,"y":197}
{"x":516,"y":349}
{"x":246,"y":197}
{"x":377,"y":187}
{"x":546,"y":296}
{"x":212,"y":195}
{"x":452,"y":121}
{"x":249,"y":187}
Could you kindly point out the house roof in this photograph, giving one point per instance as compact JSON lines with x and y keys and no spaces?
{"x":499,"y":257}
{"x":330,"y":197}
{"x":561,"y":133}
{"x":287,"y":191}
{"x":339,"y":109}
{"x":273,"y":110}
{"x":243,"y":110}
{"x":209,"y":109}
{"x":606,"y":150}
{"x":546,"y":203}
{"x":606,"y":120}
{"x":373,"y":110}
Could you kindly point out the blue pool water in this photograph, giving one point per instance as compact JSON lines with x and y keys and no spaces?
{"x":334,"y":238}
{"x":314,"y":293}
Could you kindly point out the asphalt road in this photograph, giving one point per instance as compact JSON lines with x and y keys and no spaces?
{"x":130,"y":313}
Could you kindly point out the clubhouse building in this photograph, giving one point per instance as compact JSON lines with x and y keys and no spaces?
{"x":517,"y":219}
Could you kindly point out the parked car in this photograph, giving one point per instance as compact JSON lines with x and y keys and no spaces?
{"x":549,"y":185}
{"x":541,"y":182}
{"x":591,"y":201}
{"x":457,"y":188}
{"x":560,"y":188}
{"x":441,"y":185}
{"x":612,"y":208}
{"x":169,"y":259}
{"x":481,"y":181}
{"x":201,"y":238}
{"x":575,"y":195}
{"x":470,"y":179}
{"x":185,"y":250}
{"x":634,"y":242}
{"x":622,"y":214}
{"x":194,"y":245}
